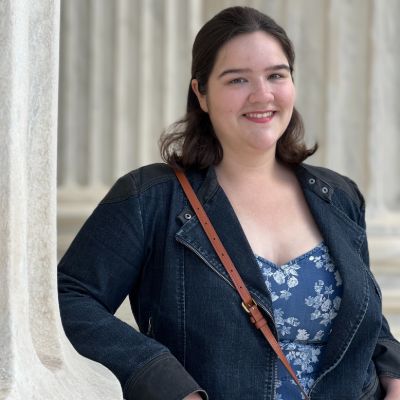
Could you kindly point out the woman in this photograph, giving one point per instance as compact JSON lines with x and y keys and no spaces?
{"x":296,"y":234}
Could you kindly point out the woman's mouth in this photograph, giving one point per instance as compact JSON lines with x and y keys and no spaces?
{"x":259,"y":117}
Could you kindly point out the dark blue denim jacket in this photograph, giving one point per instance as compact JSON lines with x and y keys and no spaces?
{"x":144,"y":241}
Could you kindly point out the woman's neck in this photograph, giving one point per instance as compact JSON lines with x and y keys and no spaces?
{"x":238,"y":172}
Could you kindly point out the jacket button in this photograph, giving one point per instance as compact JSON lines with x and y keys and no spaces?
{"x":311,"y":181}
{"x":325,"y":190}
{"x":188,"y":216}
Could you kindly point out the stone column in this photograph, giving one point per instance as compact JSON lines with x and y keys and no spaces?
{"x":383,"y":153}
{"x":36,"y":360}
{"x":124,"y":75}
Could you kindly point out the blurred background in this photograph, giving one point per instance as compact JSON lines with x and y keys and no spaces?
{"x":125,"y":71}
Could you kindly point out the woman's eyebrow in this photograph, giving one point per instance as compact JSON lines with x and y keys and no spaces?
{"x":246,"y":70}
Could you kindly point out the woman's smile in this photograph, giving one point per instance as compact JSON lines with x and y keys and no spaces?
{"x":260,"y":117}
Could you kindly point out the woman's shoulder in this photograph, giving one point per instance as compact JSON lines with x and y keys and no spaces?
{"x":336,"y":182}
{"x":138,"y":181}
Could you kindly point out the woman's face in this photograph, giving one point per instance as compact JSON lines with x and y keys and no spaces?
{"x":250,"y":94}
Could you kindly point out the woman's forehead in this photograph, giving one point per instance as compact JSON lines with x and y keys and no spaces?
{"x":250,"y":51}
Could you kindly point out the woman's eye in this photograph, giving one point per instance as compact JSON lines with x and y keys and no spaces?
{"x":237,"y":81}
{"x":275,"y":76}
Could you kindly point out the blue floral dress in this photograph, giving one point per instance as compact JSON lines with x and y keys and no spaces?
{"x":306,"y":294}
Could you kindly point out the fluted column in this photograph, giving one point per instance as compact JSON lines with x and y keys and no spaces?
{"x":36,"y":360}
{"x":384,"y":119}
{"x":383,"y":151}
{"x":125,"y":69}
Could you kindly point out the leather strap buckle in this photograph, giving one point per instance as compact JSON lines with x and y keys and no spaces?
{"x":248,"y":307}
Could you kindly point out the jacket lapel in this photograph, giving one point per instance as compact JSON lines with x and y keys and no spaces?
{"x":226,"y":224}
{"x":344,"y":239}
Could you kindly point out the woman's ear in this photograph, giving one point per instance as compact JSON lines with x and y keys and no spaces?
{"x":201,"y":97}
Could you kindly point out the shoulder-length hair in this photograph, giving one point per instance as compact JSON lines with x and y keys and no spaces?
{"x":191,"y":142}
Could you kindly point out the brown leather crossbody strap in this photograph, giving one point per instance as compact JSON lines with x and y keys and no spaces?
{"x":248,"y":303}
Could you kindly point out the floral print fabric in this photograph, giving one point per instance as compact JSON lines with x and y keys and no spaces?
{"x":306,"y":294}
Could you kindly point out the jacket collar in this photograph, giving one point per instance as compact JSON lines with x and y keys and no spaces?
{"x":309,"y":177}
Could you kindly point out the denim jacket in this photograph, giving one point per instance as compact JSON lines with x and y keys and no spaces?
{"x":143,"y":240}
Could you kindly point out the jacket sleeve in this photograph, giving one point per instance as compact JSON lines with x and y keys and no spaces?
{"x":387,"y":352}
{"x":95,"y":275}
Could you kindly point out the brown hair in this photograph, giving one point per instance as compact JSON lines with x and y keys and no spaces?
{"x":191,"y":141}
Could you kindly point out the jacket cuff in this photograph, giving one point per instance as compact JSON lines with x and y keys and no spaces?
{"x":163,"y":378}
{"x":387,"y":358}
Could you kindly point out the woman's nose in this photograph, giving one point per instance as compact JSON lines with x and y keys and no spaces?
{"x":261,"y":92}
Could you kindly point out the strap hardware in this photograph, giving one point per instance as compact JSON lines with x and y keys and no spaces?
{"x":248,"y":308}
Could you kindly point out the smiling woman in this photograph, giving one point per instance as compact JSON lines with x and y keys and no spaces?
{"x":295,"y":232}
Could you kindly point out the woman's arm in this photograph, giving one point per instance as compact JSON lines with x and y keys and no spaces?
{"x":98,"y":271}
{"x":391,"y":387}
{"x":387,"y":351}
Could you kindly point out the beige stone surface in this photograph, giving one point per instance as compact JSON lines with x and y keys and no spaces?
{"x":36,"y":359}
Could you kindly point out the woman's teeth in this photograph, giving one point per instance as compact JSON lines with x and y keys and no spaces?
{"x":260,"y":115}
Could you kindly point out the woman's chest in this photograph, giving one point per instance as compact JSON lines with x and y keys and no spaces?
{"x":278,"y":229}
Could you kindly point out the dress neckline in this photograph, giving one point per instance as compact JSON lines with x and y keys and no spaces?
{"x":293,"y":260}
